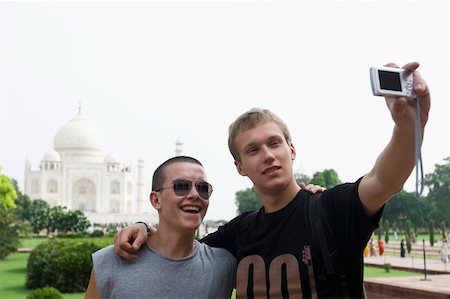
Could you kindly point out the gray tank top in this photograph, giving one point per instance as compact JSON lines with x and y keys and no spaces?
{"x":207,"y":273}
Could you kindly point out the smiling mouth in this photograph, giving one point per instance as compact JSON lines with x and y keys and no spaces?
{"x":190,"y":209}
{"x":271,"y":170}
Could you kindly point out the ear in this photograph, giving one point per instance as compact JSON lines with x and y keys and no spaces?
{"x":155,"y":200}
{"x":239,"y":168}
{"x":293,"y":152}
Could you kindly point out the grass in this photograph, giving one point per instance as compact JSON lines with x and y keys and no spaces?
{"x":372,"y":272}
{"x":13,"y":273}
{"x":31,"y":242}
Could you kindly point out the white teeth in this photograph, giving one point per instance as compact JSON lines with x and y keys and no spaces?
{"x":190,"y":209}
{"x":270,"y":170}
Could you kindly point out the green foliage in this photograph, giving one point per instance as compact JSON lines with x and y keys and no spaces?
{"x":386,"y":231}
{"x":408,"y":236}
{"x":9,"y":239}
{"x":327,"y":178}
{"x":63,"y":264}
{"x":42,"y":216}
{"x":431,"y":230}
{"x":97,"y":233}
{"x":45,"y":293}
{"x":39,"y":215}
{"x":444,"y":235}
{"x":7,"y":193}
{"x":406,"y":205}
{"x":439,"y":184}
{"x":247,"y":200}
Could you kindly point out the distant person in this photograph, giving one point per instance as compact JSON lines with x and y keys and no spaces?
{"x":277,"y":253}
{"x":395,"y":235}
{"x":172,"y":264}
{"x":366,"y":250}
{"x":372,"y":248}
{"x":402,"y":248}
{"x":445,"y":255}
{"x":380,"y":247}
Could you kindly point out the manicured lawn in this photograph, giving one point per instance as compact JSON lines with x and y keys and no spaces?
{"x":372,"y":272}
{"x":13,"y":274}
{"x":31,"y":242}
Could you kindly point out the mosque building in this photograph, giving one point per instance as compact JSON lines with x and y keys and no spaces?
{"x":79,"y":174}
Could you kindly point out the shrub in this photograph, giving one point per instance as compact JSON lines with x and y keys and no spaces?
{"x":387,"y":267}
{"x":45,"y":293}
{"x":63,"y":264}
{"x":97,"y":233}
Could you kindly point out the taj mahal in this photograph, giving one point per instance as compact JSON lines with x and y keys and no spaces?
{"x":78,"y":173}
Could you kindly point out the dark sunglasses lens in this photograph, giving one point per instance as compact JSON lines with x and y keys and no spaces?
{"x":182,"y":188}
{"x":204,"y":189}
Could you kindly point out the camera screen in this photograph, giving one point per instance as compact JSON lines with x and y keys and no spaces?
{"x":390,"y":80}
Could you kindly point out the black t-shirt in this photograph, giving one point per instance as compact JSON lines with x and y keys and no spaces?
{"x":278,"y":257}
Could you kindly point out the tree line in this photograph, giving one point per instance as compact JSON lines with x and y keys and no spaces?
{"x":19,"y":215}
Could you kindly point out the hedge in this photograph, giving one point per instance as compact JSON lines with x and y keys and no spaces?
{"x":64,"y":264}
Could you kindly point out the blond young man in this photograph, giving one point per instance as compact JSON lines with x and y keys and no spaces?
{"x":276,"y":251}
{"x":172,"y":264}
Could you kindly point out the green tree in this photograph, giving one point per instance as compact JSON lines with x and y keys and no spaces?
{"x":327,"y":178}
{"x":386,"y":231}
{"x":7,"y":193}
{"x":406,"y":205}
{"x":408,"y":236}
{"x":431,"y":230}
{"x":9,"y":240}
{"x":56,"y":219}
{"x":247,"y":200}
{"x":444,"y":235}
{"x":77,"y":221}
{"x":39,"y":215}
{"x":439,"y":195}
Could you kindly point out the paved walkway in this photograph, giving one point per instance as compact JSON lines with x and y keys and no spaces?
{"x":434,"y":283}
{"x":434,"y":266}
{"x":438,"y":282}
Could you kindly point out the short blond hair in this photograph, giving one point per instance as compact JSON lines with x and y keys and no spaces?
{"x":249,"y":120}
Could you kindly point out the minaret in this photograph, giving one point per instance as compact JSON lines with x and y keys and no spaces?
{"x":140,"y":187}
{"x":178,"y":147}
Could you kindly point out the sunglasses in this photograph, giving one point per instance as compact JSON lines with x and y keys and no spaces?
{"x":182,"y":187}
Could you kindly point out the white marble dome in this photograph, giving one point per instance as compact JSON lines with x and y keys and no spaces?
{"x":112,"y":158}
{"x":52,"y":156}
{"x":79,"y":134}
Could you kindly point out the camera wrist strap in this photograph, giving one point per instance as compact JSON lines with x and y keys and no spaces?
{"x":418,"y":145}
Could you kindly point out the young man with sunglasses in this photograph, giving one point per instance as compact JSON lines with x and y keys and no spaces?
{"x":276,"y":251}
{"x":172,"y":264}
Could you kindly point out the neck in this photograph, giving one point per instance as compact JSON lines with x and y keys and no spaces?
{"x":172,"y":244}
{"x":275,"y":200}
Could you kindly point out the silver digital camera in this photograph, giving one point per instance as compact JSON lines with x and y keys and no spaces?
{"x":391,"y":82}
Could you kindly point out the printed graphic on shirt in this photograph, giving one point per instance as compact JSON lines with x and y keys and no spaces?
{"x":284,"y":279}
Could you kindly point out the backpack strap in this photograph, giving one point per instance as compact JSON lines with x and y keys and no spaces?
{"x":327,"y":243}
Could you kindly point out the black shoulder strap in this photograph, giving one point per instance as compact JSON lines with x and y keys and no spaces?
{"x":327,"y":243}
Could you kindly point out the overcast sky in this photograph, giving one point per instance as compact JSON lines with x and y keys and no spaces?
{"x":149,"y":73}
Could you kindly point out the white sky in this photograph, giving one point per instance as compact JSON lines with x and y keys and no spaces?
{"x":149,"y":73}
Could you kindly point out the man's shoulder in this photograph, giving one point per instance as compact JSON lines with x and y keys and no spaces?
{"x":105,"y":251}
